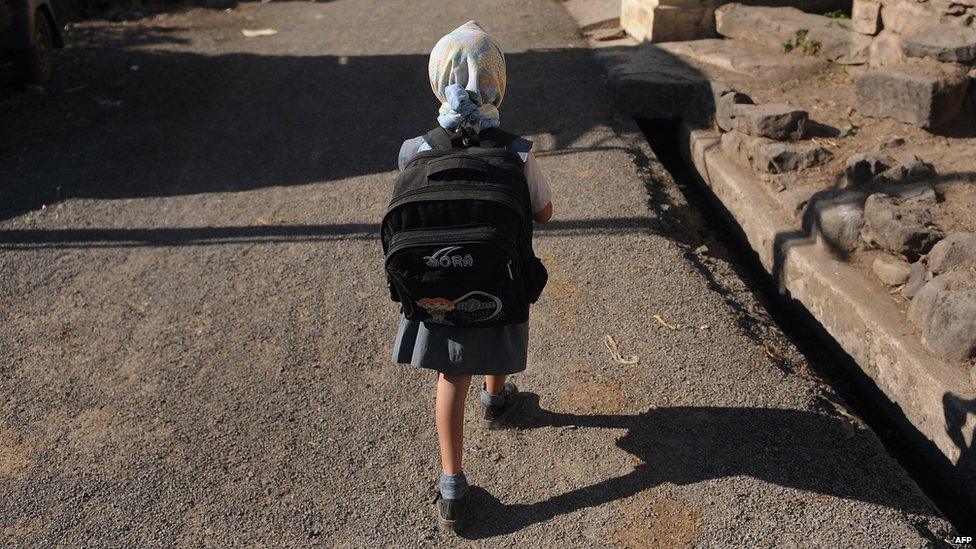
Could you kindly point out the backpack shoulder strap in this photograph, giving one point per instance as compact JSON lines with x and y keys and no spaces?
{"x":439,"y":139}
{"x":493,"y":137}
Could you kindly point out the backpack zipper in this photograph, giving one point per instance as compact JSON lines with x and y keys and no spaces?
{"x":477,"y":235}
{"x":435,"y":153}
{"x":458,"y":192}
{"x":474,"y":235}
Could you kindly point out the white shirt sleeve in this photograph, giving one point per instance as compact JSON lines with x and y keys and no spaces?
{"x":539,"y":192}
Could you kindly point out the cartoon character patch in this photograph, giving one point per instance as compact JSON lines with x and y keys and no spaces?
{"x":472,"y":307}
{"x":437,"y":308}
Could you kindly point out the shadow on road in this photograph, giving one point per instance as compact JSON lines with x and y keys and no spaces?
{"x":960,"y":428}
{"x":684,"y":445}
{"x":122,"y":123}
{"x":34,"y":239}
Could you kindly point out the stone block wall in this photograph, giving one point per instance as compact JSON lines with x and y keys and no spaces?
{"x":677,"y":20}
{"x":893,"y":23}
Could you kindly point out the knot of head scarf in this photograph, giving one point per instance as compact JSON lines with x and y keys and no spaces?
{"x":467,"y":73}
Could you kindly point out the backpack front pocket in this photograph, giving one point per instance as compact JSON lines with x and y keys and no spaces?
{"x":459,"y":277}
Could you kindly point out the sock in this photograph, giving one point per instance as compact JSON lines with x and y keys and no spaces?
{"x":453,"y":486}
{"x":492,"y":400}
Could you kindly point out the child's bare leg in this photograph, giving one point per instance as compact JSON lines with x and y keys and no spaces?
{"x":449,"y":415}
{"x":495,"y":384}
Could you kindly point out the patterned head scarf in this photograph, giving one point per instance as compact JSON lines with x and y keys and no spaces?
{"x":467,"y":73}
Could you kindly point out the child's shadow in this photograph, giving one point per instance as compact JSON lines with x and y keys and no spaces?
{"x":683,"y":445}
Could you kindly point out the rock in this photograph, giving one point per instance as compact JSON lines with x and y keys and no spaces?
{"x":770,"y":27}
{"x":878,"y":166}
{"x":724,"y":106}
{"x":972,"y":99}
{"x":648,"y":82}
{"x":711,"y":100}
{"x":907,"y":17}
{"x":796,"y":197}
{"x":718,"y":88}
{"x":779,"y":182}
{"x":637,"y":18}
{"x":886,"y":49}
{"x":775,"y":121}
{"x":890,"y":144}
{"x":686,"y":22}
{"x":925,"y":298}
{"x":919,"y":194}
{"x":840,"y":44}
{"x":891,"y":270}
{"x":954,"y":8}
{"x":866,"y":16}
{"x":774,"y":26}
{"x":750,"y":60}
{"x":951,"y":328}
{"x":948,"y":43}
{"x":900,"y":226}
{"x":955,"y":252}
{"x":862,"y":168}
{"x":922,"y":94}
{"x":818,"y":129}
{"x":971,"y":96}
{"x":607,"y":37}
{"x":809,"y":6}
{"x":945,"y":311}
{"x":766,"y":155}
{"x":916,"y":279}
{"x":649,"y":21}
{"x":835,"y":218}
{"x":909,"y":167}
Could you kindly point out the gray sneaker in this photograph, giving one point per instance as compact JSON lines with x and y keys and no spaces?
{"x":495,"y":413}
{"x":450,"y":513}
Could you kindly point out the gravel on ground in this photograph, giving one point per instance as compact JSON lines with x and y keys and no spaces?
{"x":195,"y":336}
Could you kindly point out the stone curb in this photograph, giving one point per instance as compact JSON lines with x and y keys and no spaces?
{"x":916,"y":388}
{"x":853,"y":309}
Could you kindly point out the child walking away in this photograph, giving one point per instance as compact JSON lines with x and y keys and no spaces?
{"x":458,"y":244}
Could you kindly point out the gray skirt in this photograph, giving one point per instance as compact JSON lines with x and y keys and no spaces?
{"x":496,"y":350}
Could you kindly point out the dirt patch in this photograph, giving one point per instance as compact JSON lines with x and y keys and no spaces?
{"x":830,"y":100}
{"x":601,"y":397}
{"x":656,"y":523}
{"x":22,"y":529}
{"x":13,"y":454}
{"x":91,"y":427}
{"x":563,"y":293}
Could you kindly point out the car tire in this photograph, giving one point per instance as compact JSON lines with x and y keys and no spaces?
{"x":34,"y":65}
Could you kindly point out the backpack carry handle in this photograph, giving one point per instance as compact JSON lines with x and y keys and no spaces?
{"x":442,"y":139}
{"x":456,"y":163}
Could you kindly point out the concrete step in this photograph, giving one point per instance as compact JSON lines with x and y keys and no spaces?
{"x":649,"y":82}
{"x":666,"y":80}
{"x":673,"y":20}
{"x":744,"y":58}
{"x":926,"y":393}
{"x":923,"y":92}
{"x":667,"y":20}
{"x":791,"y":29}
{"x":810,"y":6}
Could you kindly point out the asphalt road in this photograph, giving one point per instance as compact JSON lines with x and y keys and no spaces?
{"x":194,"y":335}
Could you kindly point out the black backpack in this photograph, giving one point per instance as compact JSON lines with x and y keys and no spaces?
{"x":458,"y":233}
